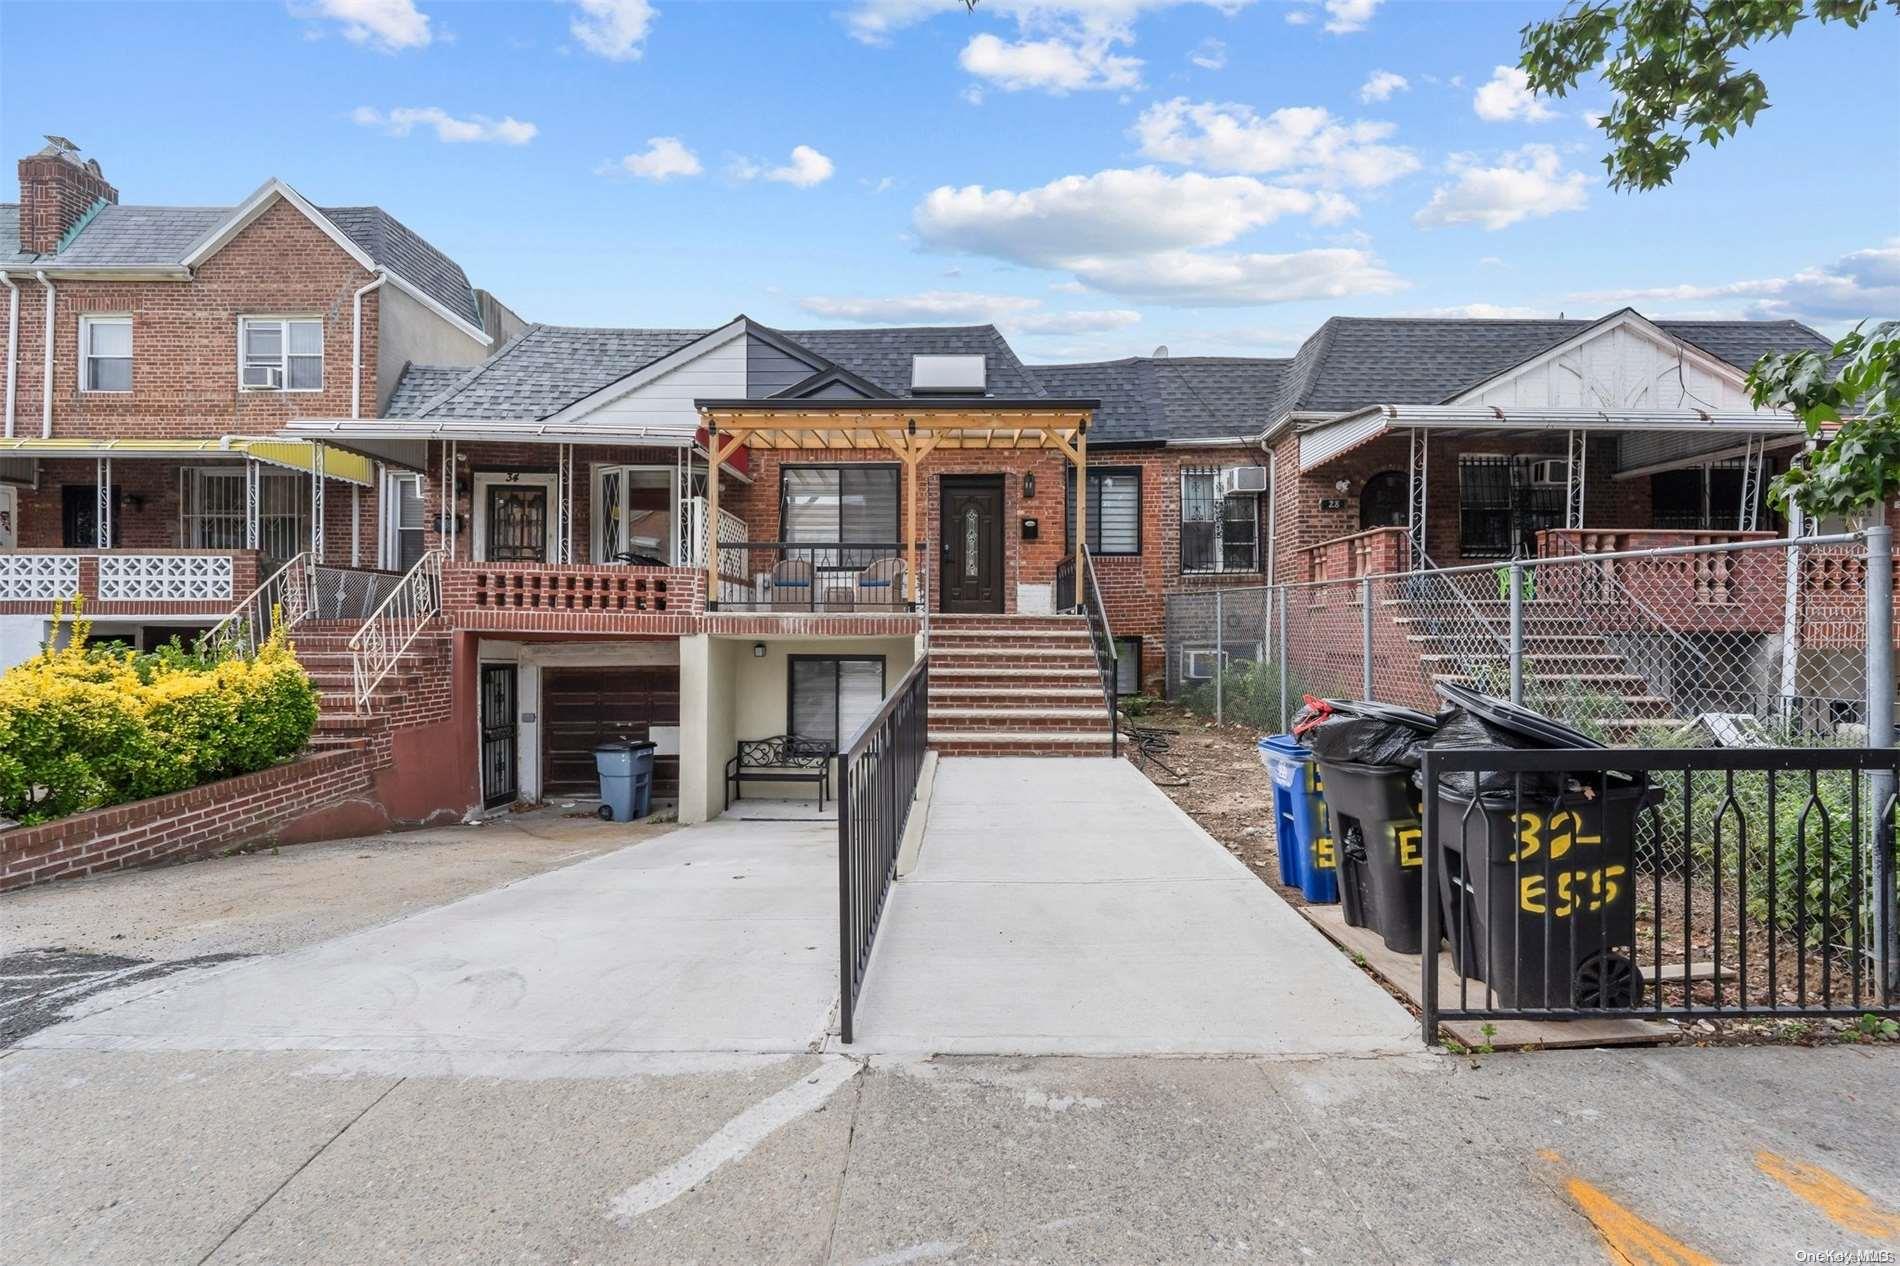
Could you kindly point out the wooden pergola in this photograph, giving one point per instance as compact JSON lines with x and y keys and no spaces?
{"x":911,"y":429}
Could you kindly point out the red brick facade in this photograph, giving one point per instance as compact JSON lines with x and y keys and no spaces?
{"x":56,"y":192}
{"x":320,"y":796}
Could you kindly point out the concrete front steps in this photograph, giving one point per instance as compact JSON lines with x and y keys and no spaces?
{"x":1015,"y":685}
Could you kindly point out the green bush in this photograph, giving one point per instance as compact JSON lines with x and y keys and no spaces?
{"x":1250,"y":695}
{"x":84,"y":728}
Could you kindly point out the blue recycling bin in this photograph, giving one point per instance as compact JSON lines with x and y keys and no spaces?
{"x":1299,"y":819}
{"x":626,"y":779}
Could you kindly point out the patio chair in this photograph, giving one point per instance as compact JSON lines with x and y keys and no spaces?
{"x":882,"y":583}
{"x":791,"y":584}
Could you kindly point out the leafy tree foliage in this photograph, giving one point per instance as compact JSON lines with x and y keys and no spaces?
{"x":1848,"y":412}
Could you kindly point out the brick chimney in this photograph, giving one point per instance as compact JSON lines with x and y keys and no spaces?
{"x":57,"y":188}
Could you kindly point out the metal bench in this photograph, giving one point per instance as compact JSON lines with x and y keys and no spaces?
{"x":781,"y":758}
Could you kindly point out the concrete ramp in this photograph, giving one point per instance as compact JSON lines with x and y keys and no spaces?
{"x":1065,"y":906}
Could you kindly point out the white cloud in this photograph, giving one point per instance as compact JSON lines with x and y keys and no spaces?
{"x":1507,"y":96}
{"x":807,"y":167}
{"x":964,"y":307}
{"x":1381,"y":84}
{"x":614,"y":29}
{"x":1209,"y":54}
{"x":1859,"y":285}
{"x":1145,"y":233}
{"x":664,"y":158}
{"x":1303,"y":143}
{"x":1343,"y":17}
{"x":476,"y":127}
{"x":1052,"y":65}
{"x":1525,"y":182}
{"x":388,"y":25}
{"x":1483,"y":311}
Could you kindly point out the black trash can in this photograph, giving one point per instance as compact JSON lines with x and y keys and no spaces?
{"x":1367,"y":754}
{"x":1538,"y":876}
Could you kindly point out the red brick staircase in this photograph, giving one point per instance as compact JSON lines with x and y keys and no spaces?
{"x":323,"y":648}
{"x":1015,"y":685}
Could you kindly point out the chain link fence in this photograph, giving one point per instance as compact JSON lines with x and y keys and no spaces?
{"x":1759,"y":643}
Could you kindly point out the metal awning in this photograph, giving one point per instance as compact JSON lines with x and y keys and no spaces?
{"x":594,"y":431}
{"x":1330,"y":440}
{"x":293,"y":454}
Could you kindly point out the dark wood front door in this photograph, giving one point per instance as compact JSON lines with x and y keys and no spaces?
{"x":581,"y":707}
{"x":973,"y":543}
{"x":517,"y":523}
{"x":499,"y":782}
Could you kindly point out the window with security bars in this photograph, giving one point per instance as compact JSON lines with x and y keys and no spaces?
{"x":1219,"y":533}
{"x":1708,"y":498}
{"x":1114,"y":511}
{"x":832,"y":696}
{"x":212,"y":514}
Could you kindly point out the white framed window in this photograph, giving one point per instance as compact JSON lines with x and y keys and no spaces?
{"x":1219,"y":532}
{"x":403,"y":536}
{"x":635,"y":509}
{"x":105,"y":353}
{"x":280,"y":354}
{"x":1114,"y":511}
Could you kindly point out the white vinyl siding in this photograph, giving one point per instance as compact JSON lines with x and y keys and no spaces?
{"x":1114,"y":510}
{"x":105,"y":353}
{"x":280,"y":354}
{"x":833,"y":696}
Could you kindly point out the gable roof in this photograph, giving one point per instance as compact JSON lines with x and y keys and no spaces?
{"x":177,"y":238}
{"x":1352,"y":362}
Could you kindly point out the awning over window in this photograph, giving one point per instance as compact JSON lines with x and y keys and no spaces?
{"x":303,"y":455}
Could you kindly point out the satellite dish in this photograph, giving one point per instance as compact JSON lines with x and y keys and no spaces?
{"x":1161,"y":353}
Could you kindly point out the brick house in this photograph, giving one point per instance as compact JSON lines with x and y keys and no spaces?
{"x":499,"y":544}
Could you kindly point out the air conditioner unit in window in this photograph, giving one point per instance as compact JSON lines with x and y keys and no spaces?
{"x":1240,"y":480}
{"x":1550,"y":472}
{"x":264,"y":376}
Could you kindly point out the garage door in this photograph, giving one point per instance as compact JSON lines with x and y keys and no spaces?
{"x":583,"y":706}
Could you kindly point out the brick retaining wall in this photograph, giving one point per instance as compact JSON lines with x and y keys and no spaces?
{"x":323,"y":795}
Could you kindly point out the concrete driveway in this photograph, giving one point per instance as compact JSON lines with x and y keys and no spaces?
{"x":713,"y":938}
{"x":1066,"y":906}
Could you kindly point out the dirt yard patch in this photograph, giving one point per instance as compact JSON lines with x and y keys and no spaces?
{"x":1226,"y":789}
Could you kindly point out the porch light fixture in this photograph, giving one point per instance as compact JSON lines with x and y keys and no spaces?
{"x":1029,"y":485}
{"x":1342,"y":485}
{"x":758,"y":650}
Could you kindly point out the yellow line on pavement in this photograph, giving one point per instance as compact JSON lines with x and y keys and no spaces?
{"x":1846,"y":1205}
{"x":1629,"y":1239}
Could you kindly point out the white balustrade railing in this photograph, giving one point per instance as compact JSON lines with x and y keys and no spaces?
{"x":38,"y":577}
{"x":165,"y":577}
{"x":286,"y":597}
{"x":692,"y":548}
{"x":377,"y":647}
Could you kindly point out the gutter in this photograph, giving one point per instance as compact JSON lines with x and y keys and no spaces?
{"x":13,"y":347}
{"x":356,"y":343}
{"x":46,"y":338}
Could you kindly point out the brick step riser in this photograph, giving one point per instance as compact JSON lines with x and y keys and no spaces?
{"x":1023,"y":703}
{"x":980,"y":622}
{"x":1029,"y":722}
{"x":1003,"y":659}
{"x":958,"y":642}
{"x":964,"y":748}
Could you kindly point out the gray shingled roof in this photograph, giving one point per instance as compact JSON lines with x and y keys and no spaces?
{"x":1146,"y":398}
{"x":421,"y":383}
{"x":157,"y":237}
{"x":882,"y":355}
{"x":397,"y":247}
{"x":1351,"y":362}
{"x":545,"y":368}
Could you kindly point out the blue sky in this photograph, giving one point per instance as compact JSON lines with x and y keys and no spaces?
{"x":1097,"y":176}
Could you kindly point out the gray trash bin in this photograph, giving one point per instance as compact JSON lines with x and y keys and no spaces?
{"x":626,"y":779}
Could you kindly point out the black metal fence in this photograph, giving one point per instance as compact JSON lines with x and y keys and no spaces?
{"x":813,"y":576}
{"x":1655,"y":883}
{"x":877,"y":784}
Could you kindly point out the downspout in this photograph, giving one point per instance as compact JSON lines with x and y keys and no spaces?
{"x":46,"y":337}
{"x":13,"y":346}
{"x":356,"y":344}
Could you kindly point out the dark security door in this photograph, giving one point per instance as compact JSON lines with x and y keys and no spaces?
{"x":973,"y":543}
{"x":517,"y":523}
{"x":499,"y":784}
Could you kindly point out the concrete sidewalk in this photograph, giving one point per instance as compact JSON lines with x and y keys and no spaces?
{"x":714,"y":938}
{"x":1066,"y":906}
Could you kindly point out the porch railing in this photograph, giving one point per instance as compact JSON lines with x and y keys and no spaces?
{"x":202,"y":577}
{"x":878,"y":773}
{"x":814,"y":576}
{"x":390,"y":630}
{"x":1102,"y":640}
{"x":287,"y":596}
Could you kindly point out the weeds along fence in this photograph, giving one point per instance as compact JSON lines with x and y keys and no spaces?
{"x":1753,"y":642}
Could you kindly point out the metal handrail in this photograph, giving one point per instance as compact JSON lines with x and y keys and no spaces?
{"x":1102,"y":641}
{"x":286,"y":597}
{"x":378,"y":646}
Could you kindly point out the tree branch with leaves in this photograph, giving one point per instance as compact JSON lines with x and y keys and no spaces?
{"x":1848,"y":413}
{"x":1670,"y":66}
